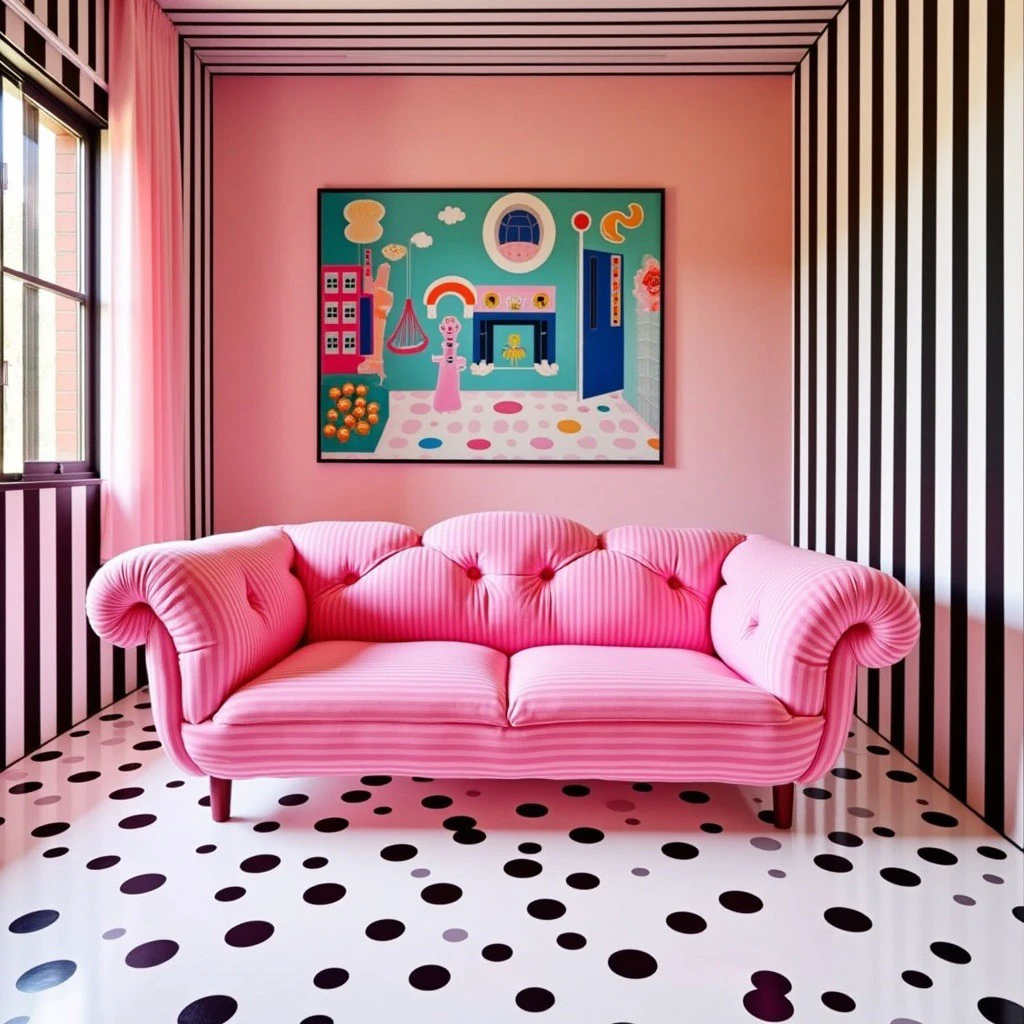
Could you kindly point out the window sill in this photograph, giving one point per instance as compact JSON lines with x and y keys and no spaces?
{"x":40,"y":483}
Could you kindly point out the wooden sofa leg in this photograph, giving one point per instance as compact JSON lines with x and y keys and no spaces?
{"x":220,"y":798}
{"x":782,"y":805}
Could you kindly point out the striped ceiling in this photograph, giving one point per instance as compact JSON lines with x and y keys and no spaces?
{"x":602,"y":37}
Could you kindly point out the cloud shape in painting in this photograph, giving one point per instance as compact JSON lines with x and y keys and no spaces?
{"x":422,"y":240}
{"x":451,"y":215}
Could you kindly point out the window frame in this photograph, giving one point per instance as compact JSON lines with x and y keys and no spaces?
{"x":86,"y":468}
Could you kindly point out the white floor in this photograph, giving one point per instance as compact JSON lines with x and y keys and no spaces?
{"x":121,"y":901}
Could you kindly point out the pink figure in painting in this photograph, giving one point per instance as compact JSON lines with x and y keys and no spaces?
{"x":450,"y":365}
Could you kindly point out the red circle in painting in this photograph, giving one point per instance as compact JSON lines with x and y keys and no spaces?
{"x":478,"y":444}
{"x":508,"y":407}
{"x":581,"y":220}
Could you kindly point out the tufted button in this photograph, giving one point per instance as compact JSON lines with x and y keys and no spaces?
{"x":547,"y":574}
{"x":473,"y":573}
{"x":753,"y":623}
{"x":350,"y":578}
{"x":675,"y":583}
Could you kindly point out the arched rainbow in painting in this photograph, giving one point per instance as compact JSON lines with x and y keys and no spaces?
{"x":490,"y":325}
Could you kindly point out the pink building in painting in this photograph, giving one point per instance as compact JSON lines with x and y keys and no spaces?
{"x":346,"y":317}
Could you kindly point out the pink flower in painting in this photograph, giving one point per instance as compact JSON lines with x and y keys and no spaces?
{"x":647,"y":285}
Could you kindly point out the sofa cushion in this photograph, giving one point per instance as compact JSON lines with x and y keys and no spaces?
{"x":355,"y":681}
{"x":629,"y":684}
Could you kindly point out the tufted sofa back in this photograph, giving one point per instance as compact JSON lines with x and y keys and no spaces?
{"x":510,"y":580}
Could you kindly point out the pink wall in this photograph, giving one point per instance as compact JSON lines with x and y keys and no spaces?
{"x":721,"y":146}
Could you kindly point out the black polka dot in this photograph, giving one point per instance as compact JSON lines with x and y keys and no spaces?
{"x":21,"y":788}
{"x":845,"y":839}
{"x":833,"y":862}
{"x":128,"y":793}
{"x":900,"y":876}
{"x":203,"y":801}
{"x":436,"y":803}
{"x":939,"y":820}
{"x":53,"y":828}
{"x":936,"y":856}
{"x":680,"y":851}
{"x":152,"y":954}
{"x":375,"y":780}
{"x":229,"y":894}
{"x":496,"y":952}
{"x":873,"y":748}
{"x":147,"y":745}
{"x":531,"y":810}
{"x":174,"y":783}
{"x":838,"y":1001}
{"x":331,"y":825}
{"x":469,"y":836}
{"x":1001,"y":1011}
{"x":575,"y":789}
{"x":992,"y":852}
{"x":847,"y":920}
{"x":56,"y":851}
{"x":545,"y":910}
{"x":441,"y":893}
{"x":1018,"y":912}
{"x":139,"y":884}
{"x":881,"y":830}
{"x":293,"y":799}
{"x":314,"y":862}
{"x":330,"y":977}
{"x":83,"y":776}
{"x":266,"y":826}
{"x":632,"y":963}
{"x":206,"y":848}
{"x":768,"y":1000}
{"x":46,"y":975}
{"x":355,"y":796}
{"x":46,"y":755}
{"x":34,"y":921}
{"x":534,"y":1000}
{"x":694,"y":796}
{"x":917,"y":979}
{"x":642,"y":787}
{"x":249,"y":933}
{"x":317,"y":1018}
{"x":100,"y":863}
{"x":429,"y":977}
{"x":384,"y":930}
{"x":399,"y":851}
{"x":458,"y":821}
{"x":259,"y":863}
{"x":112,"y":717}
{"x":740,"y":902}
{"x":382,"y":810}
{"x":950,"y":952}
{"x":846,"y":773}
{"x":421,"y":778}
{"x":529,"y":847}
{"x":685,"y":922}
{"x":901,"y":776}
{"x":324,"y":893}
{"x":711,"y":827}
{"x":136,"y":821}
{"x":571,"y":940}
{"x":586,"y":835}
{"x":209,"y":1010}
{"x":816,"y":793}
{"x":582,"y":880}
{"x":521,"y":868}
{"x":133,"y":766}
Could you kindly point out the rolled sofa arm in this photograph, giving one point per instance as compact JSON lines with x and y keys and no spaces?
{"x":227,"y":606}
{"x":789,"y":619}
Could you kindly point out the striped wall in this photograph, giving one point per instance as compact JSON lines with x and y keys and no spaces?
{"x":65,"y":42}
{"x":54,"y":671}
{"x":908,"y":425}
{"x":196,"y":126}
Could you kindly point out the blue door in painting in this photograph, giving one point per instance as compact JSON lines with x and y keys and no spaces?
{"x":603,"y":334}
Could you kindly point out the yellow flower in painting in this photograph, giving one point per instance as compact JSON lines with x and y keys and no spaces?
{"x":513,"y":350}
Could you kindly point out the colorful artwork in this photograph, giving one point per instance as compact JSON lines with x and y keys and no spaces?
{"x":490,"y":325}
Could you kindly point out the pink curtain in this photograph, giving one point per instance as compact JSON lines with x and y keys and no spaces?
{"x":143,"y":371}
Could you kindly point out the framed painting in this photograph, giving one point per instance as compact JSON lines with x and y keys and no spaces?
{"x":489,"y":325}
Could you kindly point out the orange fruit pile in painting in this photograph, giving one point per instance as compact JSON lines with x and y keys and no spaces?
{"x":351,"y":412}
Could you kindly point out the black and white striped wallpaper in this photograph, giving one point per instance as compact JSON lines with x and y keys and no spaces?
{"x":66,"y":43}
{"x":196,"y":126}
{"x":54,"y":670}
{"x":908,"y":366}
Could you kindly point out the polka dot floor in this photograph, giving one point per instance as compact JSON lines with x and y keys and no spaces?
{"x":416,"y":901}
{"x":512,"y":425}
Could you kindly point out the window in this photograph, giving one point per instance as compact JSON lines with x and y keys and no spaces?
{"x":348,"y":312}
{"x":330,"y":282}
{"x":348,"y":340}
{"x":349,"y":282}
{"x":331,"y":343}
{"x":331,"y":312}
{"x":46,"y":315}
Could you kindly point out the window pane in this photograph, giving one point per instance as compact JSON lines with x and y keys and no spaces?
{"x":44,"y":405}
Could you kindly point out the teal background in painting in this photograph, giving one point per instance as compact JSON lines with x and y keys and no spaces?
{"x":458,"y":249}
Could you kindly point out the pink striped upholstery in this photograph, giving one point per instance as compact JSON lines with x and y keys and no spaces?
{"x":629,"y":658}
{"x":511,"y":580}
{"x":632,"y":684}
{"x":655,"y":751}
{"x":355,"y":681}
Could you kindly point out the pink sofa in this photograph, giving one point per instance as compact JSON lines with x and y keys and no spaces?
{"x":501,"y":644}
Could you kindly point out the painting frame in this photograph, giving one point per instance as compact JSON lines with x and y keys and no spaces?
{"x":658,"y":456}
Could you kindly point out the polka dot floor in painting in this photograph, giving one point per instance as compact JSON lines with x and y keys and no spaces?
{"x":379,"y":900}
{"x":512,"y":425}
